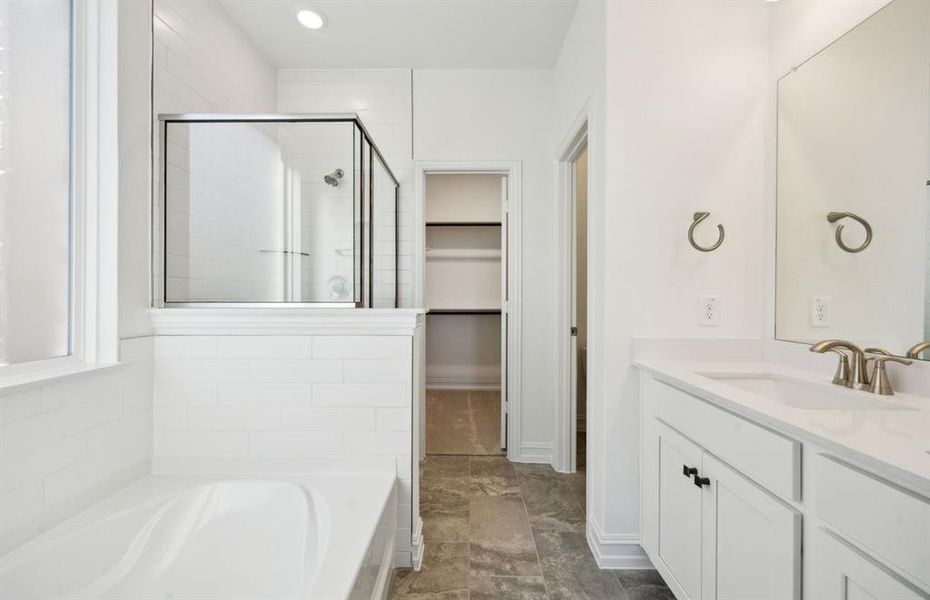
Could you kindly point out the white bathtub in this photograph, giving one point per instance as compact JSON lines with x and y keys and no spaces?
{"x":190,"y":537}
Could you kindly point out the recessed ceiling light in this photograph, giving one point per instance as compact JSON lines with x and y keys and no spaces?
{"x":311,"y":19}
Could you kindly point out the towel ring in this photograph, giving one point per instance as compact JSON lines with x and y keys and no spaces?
{"x":698,"y":217}
{"x":833,"y":217}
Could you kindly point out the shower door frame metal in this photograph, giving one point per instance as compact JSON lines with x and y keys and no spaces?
{"x":160,"y":205}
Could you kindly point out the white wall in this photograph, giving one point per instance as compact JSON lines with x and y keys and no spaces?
{"x":579,"y":85}
{"x":798,"y":30}
{"x":685,"y":132}
{"x":67,"y":444}
{"x":135,"y":167}
{"x":482,"y":115}
{"x":287,"y":404}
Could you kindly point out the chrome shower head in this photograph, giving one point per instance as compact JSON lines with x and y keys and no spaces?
{"x":334,"y":178}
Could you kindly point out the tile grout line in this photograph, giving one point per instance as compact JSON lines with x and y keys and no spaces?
{"x":468,"y":531}
{"x":533,"y":533}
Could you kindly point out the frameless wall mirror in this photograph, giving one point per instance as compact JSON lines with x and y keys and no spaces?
{"x":853,"y":245}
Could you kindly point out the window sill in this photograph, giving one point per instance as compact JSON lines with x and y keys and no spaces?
{"x":46,"y":371}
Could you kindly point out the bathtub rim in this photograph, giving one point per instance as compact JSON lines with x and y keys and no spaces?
{"x":357,"y":526}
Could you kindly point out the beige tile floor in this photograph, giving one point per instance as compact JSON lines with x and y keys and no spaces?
{"x":496,"y":529}
{"x":463,"y":422}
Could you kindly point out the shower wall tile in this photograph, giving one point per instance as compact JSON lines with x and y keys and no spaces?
{"x":382,"y":99}
{"x":69,"y":443}
{"x":203,"y":62}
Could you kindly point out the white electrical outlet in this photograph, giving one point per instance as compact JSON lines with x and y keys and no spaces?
{"x":820,"y":311}
{"x":709,"y":311}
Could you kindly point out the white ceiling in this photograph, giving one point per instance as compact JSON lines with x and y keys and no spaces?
{"x":408,"y":33}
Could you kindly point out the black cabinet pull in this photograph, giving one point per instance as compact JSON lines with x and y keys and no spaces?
{"x":701,"y":481}
{"x":688,"y":471}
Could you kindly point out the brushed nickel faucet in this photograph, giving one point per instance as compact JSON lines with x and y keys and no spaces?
{"x":851,"y":371}
{"x":881,"y":385}
{"x":915,"y":350}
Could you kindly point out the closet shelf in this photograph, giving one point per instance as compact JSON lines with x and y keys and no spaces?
{"x":463,"y":223}
{"x":464,"y":311}
{"x":463,"y":254}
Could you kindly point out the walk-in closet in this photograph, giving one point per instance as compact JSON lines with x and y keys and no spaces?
{"x":466,"y":292}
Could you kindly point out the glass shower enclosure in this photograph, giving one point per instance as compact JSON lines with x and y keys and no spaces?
{"x":272,"y":210}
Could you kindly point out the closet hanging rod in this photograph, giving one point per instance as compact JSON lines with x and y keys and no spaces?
{"x":464,"y":311}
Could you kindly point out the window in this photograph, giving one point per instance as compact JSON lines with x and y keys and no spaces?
{"x":59,"y":182}
{"x":35,"y":180}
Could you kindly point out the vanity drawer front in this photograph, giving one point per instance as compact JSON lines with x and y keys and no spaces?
{"x":879,"y":517}
{"x":768,"y":458}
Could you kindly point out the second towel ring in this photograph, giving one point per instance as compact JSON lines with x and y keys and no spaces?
{"x":698,"y":217}
{"x":833,"y":217}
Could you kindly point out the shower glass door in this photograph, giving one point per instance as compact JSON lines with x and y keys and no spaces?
{"x":268,"y":211}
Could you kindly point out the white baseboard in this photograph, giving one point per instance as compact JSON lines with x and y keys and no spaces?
{"x":535,"y":452}
{"x":416,"y":555}
{"x":616,"y":551}
{"x":458,"y":385}
{"x":382,"y":587}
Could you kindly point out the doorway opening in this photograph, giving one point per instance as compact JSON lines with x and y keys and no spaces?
{"x":573,"y":201}
{"x":579,"y":311}
{"x":465,"y":288}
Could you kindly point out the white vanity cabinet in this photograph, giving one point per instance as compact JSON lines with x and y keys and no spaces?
{"x":724,"y":516}
{"x":679,"y":543}
{"x":717,"y":534}
{"x":843,"y":572}
{"x":873,"y":537}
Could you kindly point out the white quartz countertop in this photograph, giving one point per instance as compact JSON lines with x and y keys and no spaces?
{"x":893,"y":443}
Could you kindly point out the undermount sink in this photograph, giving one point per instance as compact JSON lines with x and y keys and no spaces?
{"x":800,"y":394}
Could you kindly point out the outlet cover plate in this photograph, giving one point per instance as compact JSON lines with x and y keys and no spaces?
{"x":709,"y":311}
{"x":820,"y":311}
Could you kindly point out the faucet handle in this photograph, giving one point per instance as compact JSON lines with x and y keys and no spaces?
{"x":874,"y":354}
{"x":881,"y":351}
{"x":843,"y":375}
{"x":881,"y":385}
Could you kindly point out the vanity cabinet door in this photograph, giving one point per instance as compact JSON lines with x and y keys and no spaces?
{"x":751,"y":539}
{"x":841,"y":572}
{"x":679,"y":546}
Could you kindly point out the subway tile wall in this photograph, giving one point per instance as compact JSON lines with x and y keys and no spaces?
{"x":323,"y":216}
{"x":205,"y":63}
{"x":65,"y":445}
{"x":219,"y":223}
{"x":287,"y":403}
{"x":382,"y":99}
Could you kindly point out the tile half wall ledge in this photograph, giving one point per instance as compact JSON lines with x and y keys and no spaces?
{"x":286,"y":321}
